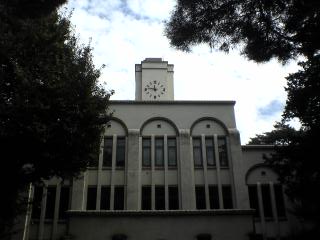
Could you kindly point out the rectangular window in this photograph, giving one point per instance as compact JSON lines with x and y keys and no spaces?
{"x":36,"y":202}
{"x":197,"y":153}
{"x":91,"y":198}
{"x":159,"y":198}
{"x":146,"y":198}
{"x":159,"y":152}
{"x":200,"y":197}
{"x":253,"y":200}
{"x":214,"y":197}
{"x":222,"y":149}
{"x":281,"y":211}
{"x":173,"y":197}
{"x":64,"y":202}
{"x":121,"y":152}
{"x":227,"y":197}
{"x":51,"y":199}
{"x":210,"y":151}
{"x":172,"y":152}
{"x":107,"y":152}
{"x":266,"y":199}
{"x":146,"y":152}
{"x":118,"y":198}
{"x":105,"y":198}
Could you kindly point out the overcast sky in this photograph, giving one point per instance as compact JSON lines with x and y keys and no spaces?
{"x":125,"y":32}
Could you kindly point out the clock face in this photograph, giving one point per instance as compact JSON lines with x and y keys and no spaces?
{"x":154,"y":89}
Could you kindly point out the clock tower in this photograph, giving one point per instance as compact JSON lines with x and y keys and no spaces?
{"x":154,"y":80}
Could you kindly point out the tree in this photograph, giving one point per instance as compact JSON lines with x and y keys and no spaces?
{"x":263,"y":29}
{"x":52,"y":108}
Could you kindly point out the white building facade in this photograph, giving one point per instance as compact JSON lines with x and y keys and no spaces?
{"x":167,"y":170}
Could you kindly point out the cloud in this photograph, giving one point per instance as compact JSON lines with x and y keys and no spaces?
{"x":126,"y":32}
{"x":271,"y":108}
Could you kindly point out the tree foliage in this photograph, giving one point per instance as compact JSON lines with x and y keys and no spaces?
{"x":51,"y":105}
{"x":264,"y":29}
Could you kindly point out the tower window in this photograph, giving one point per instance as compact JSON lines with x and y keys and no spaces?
{"x":200,"y":197}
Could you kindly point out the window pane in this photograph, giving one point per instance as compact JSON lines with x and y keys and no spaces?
{"x":281,"y":211}
{"x":51,"y":198}
{"x":120,"y":156}
{"x":64,"y":202}
{"x":146,"y":152}
{"x":172,"y":152}
{"x":105,"y":198}
{"x":107,"y":152}
{"x":253,"y":199}
{"x":222,"y":148}
{"x":200,"y":198}
{"x":146,"y":198}
{"x":214,"y":197}
{"x":159,"y":152}
{"x":173,"y":197}
{"x":197,"y":153}
{"x":118,"y":198}
{"x":91,"y":198}
{"x":36,"y":203}
{"x":159,"y":198}
{"x":210,"y":152}
{"x":266,"y":199}
{"x":227,"y":197}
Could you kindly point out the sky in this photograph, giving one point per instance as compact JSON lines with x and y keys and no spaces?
{"x":125,"y":32}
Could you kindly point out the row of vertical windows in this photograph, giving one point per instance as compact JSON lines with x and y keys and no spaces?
{"x":214,"y":197}
{"x":210,"y":153}
{"x":120,"y":152}
{"x":173,"y":198}
{"x":266,"y":200}
{"x":50,"y":202}
{"x":159,"y":151}
{"x":105,"y":197}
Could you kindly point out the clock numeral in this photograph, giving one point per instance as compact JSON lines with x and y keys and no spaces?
{"x":164,"y":89}
{"x":145,"y":89}
{"x":154,"y":82}
{"x":154,"y":97}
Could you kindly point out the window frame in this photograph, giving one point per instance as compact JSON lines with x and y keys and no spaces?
{"x":196,"y":165}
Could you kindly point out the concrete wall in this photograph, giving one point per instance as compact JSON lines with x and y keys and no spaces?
{"x":164,"y":226}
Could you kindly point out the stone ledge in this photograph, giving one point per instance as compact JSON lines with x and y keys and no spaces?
{"x":158,"y":213}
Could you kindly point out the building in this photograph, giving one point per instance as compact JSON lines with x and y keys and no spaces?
{"x":167,"y":170}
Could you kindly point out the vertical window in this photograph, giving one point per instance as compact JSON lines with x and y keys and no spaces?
{"x":197,"y":153}
{"x":146,"y":198}
{"x":118,"y":198}
{"x":200,"y":197}
{"x":107,"y":152}
{"x":36,"y":202}
{"x":64,"y":202}
{"x":253,"y":199}
{"x":159,"y":198}
{"x":210,"y":151}
{"x":159,"y":152}
{"x":105,"y":198}
{"x":120,"y":155}
{"x":214,"y":197}
{"x":146,"y":152}
{"x":172,"y":152}
{"x":173,"y":197}
{"x":227,"y":197}
{"x":266,"y":199}
{"x":281,"y":211}
{"x":222,"y":148}
{"x":51,"y":198}
{"x":91,"y":198}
